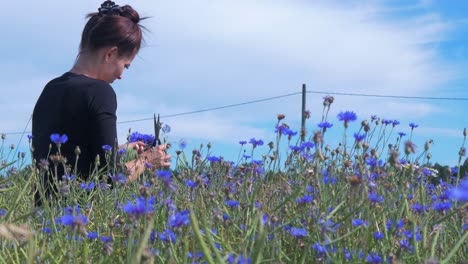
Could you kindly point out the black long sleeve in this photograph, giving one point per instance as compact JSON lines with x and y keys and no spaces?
{"x":84,"y":109}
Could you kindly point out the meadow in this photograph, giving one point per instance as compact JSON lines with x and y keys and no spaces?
{"x":373,"y":197}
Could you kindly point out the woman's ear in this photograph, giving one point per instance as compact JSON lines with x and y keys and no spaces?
{"x":110,"y":53}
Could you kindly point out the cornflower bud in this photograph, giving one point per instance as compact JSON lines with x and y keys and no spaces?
{"x":44,"y":164}
{"x":144,"y":191}
{"x":98,"y":160}
{"x":354,"y":180}
{"x":364,"y":123}
{"x":272,"y":157}
{"x":365,"y":145}
{"x":3,"y":136}
{"x":280,"y":117}
{"x":366,"y":128}
{"x":178,"y":152}
{"x":462,"y":152}
{"x":56,"y":159}
{"x":317,"y":137}
{"x":12,"y":146}
{"x":410,"y":147}
{"x":23,"y":154}
{"x":465,"y":133}
{"x":77,"y":151}
{"x":427,"y":145}
{"x":429,"y":156}
{"x":307,"y":114}
{"x":271,"y":144}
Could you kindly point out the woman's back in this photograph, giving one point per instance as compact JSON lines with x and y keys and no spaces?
{"x":82,"y":108}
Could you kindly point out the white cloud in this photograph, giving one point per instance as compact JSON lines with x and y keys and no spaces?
{"x":205,"y":54}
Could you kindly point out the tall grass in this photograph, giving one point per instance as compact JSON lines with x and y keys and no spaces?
{"x":358,"y":201}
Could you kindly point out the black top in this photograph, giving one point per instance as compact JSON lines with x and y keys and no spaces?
{"x":82,"y":108}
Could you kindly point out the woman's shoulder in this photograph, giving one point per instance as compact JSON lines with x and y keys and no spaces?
{"x":80,"y":82}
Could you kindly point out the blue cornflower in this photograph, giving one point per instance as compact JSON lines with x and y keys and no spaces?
{"x":359,"y":137}
{"x":371,"y":162}
{"x":259,"y":170}
{"x":30,"y":136}
{"x":122,"y":152}
{"x":307,"y":145}
{"x":232,"y":203}
{"x":92,"y":235}
{"x":400,"y":224}
{"x":347,"y":254}
{"x":73,"y":220}
{"x":168,"y":236}
{"x":232,"y":259}
{"x":163,"y":173}
{"x":386,"y":121}
{"x":213,"y":158}
{"x":378,"y":235}
{"x":258,"y":205}
{"x":298,"y":232}
{"x":190,"y":183}
{"x":404,"y":243}
{"x":413,"y":126}
{"x":105,"y":239}
{"x":395,"y":122}
{"x":373,"y":258}
{"x":318,"y":247}
{"x":166,"y":128}
{"x":305,"y":199}
{"x":141,"y":206}
{"x":136,"y":136}
{"x":358,"y":222}
{"x":460,"y":193}
{"x":3,"y":212}
{"x":418,"y":208}
{"x":242,"y":142}
{"x":389,"y":224}
{"x":442,"y":206}
{"x":86,"y":186}
{"x":107,"y":148}
{"x":58,"y":139}
{"x":325,"y":125}
{"x":183,"y":143}
{"x":401,"y":134}
{"x":347,"y":116}
{"x":375,"y":198}
{"x":454,"y":170}
{"x":119,"y":178}
{"x":255,"y":142}
{"x":256,"y":162}
{"x":295,"y":148}
{"x":284,"y":130}
{"x":179,"y":219}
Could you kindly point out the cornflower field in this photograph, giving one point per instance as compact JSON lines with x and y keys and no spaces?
{"x":372,"y":197}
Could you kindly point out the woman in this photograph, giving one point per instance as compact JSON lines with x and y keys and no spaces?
{"x":82,"y":105}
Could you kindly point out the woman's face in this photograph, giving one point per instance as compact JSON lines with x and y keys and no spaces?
{"x":116,"y":66}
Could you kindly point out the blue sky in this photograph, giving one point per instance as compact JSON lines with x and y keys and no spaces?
{"x":205,"y":54}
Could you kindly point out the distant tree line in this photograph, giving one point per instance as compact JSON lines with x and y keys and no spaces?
{"x":445,"y":172}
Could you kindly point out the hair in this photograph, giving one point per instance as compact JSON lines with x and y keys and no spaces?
{"x":122,"y":30}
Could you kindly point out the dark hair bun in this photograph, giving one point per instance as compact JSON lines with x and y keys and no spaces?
{"x":128,"y":12}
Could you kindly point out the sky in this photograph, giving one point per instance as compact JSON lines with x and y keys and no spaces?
{"x":208,"y":54}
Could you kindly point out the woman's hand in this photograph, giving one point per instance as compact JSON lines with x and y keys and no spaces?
{"x":139,"y":146}
{"x":155,"y":156}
